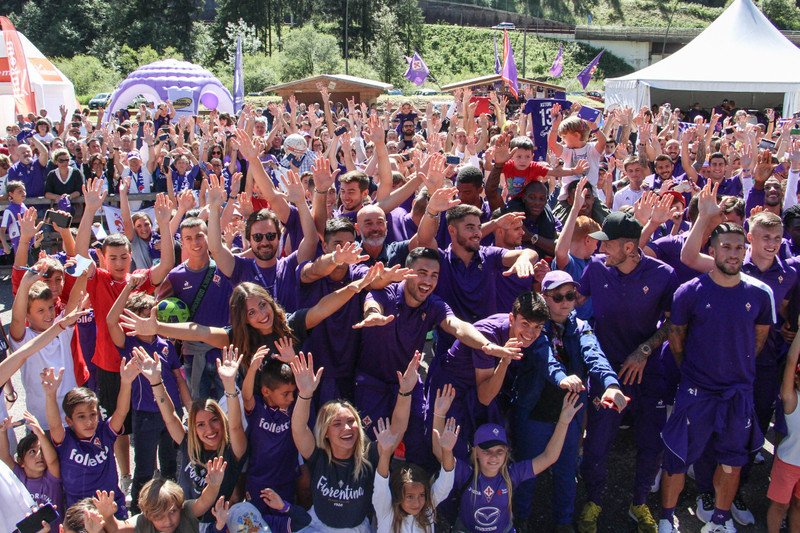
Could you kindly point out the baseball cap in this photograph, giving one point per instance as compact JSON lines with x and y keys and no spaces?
{"x":134,"y":154}
{"x":675,"y":196}
{"x":244,"y":517}
{"x":23,"y":135}
{"x":618,"y":225}
{"x":556,"y":278}
{"x":489,"y":435}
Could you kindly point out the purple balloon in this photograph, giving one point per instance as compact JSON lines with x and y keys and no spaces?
{"x":209,"y":100}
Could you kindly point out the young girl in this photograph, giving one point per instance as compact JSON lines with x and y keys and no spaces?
{"x":339,"y":454}
{"x":210,"y":433}
{"x":407,"y":504}
{"x":485,"y":501}
{"x":784,"y":486}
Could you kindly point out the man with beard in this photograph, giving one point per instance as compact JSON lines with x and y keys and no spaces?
{"x":714,"y":405}
{"x":631,"y":296}
{"x":766,"y":189}
{"x":560,"y":361}
{"x":260,"y":264}
{"x":396,"y":322}
{"x":715,"y":172}
{"x":30,"y":171}
{"x":672,"y":149}
{"x":663,"y":171}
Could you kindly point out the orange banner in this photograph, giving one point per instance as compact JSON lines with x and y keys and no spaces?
{"x":18,"y":69}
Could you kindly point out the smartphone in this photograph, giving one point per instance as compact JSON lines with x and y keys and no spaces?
{"x":61,"y":219}
{"x":167,"y":162}
{"x":406,"y":157}
{"x":766,"y":143}
{"x":163,"y":137}
{"x":729,"y":130}
{"x":33,"y":523}
{"x":18,"y":423}
{"x":293,"y":160}
{"x":453,"y":160}
{"x":340,"y":131}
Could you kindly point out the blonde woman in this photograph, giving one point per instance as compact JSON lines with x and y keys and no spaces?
{"x":341,"y":458}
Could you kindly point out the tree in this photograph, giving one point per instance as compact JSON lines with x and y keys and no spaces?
{"x":307,"y":52}
{"x":250,"y":41}
{"x":410,"y":20}
{"x":62,"y":28}
{"x":386,"y":54}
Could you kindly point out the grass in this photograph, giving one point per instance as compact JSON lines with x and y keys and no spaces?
{"x":653,"y":13}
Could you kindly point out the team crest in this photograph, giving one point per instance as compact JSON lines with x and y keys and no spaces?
{"x":645,"y":289}
{"x":424,"y":315}
{"x":216,"y":279}
{"x":747,"y":306}
{"x":97,"y":442}
{"x":367,"y":420}
{"x":488,"y":492}
{"x":165,"y":351}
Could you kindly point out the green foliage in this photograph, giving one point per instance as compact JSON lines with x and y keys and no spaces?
{"x":386,"y":56}
{"x":409,"y":28}
{"x":250,"y":42}
{"x":87,"y":74}
{"x":783,"y":13}
{"x":307,"y":52}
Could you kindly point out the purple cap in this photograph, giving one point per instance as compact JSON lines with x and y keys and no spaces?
{"x":23,"y":135}
{"x":556,"y":278}
{"x":489,"y":435}
{"x":64,"y":204}
{"x":134,"y":154}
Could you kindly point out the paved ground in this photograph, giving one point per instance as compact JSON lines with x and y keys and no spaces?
{"x":615,"y":510}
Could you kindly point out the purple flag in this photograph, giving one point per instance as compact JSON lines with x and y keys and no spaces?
{"x":586,"y":74}
{"x":509,"y":72}
{"x":558,"y":65}
{"x":497,"y":66}
{"x":238,"y":78}
{"x":417,"y":71}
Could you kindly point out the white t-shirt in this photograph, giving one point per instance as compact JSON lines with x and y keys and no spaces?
{"x":17,"y":501}
{"x":384,"y":511}
{"x":626,"y":196}
{"x":571,"y":156}
{"x":57,"y":354}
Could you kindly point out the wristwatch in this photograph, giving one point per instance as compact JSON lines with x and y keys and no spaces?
{"x":645,"y":349}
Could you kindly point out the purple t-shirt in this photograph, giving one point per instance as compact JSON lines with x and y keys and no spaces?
{"x":89,"y":465}
{"x":718,"y":356}
{"x":44,"y":490}
{"x":668,"y":250}
{"x":141,"y":392}
{"x":185,"y":181}
{"x":32,"y":175}
{"x":292,"y":230}
{"x":213,"y":309}
{"x":460,"y":361}
{"x":399,"y":225}
{"x":332,"y":342}
{"x":270,"y":440}
{"x":627,"y":307}
{"x":279,"y":280}
{"x":484,"y":504}
{"x":387,"y":349}
{"x":10,"y":224}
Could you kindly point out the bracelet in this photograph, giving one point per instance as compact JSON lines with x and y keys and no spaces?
{"x":431,"y":214}
{"x":285,"y":508}
{"x":440,"y":416}
{"x":234,"y":394}
{"x":154,"y":385}
{"x":317,"y":191}
{"x":404,"y":394}
{"x":300,"y":396}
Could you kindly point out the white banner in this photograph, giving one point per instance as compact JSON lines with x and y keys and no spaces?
{"x":183,"y":101}
{"x":113,"y":219}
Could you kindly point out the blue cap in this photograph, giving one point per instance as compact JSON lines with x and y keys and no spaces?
{"x":489,"y":435}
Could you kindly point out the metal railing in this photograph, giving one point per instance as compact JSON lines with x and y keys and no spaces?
{"x":644,"y":33}
{"x":111,"y":199}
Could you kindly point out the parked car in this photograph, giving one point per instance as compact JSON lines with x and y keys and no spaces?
{"x":426,"y":92}
{"x":99,"y":100}
{"x":596,"y":95}
{"x":395,"y":92}
{"x":136,"y":102}
{"x":504,"y":26}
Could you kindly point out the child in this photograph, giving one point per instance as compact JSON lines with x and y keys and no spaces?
{"x":406,"y":112}
{"x":269,"y":426}
{"x":244,"y":517}
{"x":784,"y":487}
{"x":9,"y":227}
{"x":86,"y":446}
{"x":35,"y":305}
{"x":36,"y":465}
{"x":164,"y":507}
{"x":488,"y":483}
{"x":151,"y":438}
{"x":409,"y":502}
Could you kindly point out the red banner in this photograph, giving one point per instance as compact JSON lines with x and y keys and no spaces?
{"x":18,"y":69}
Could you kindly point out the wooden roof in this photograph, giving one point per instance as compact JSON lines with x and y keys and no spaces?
{"x":493,"y":78}
{"x":342,"y":82}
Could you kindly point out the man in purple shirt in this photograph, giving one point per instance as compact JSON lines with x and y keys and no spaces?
{"x":396,"y":321}
{"x":714,"y":404}
{"x":30,"y":171}
{"x":631,"y":296}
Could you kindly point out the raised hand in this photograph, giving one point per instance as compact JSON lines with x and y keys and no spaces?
{"x":374,"y":320}
{"x":286,"y":353}
{"x":443,"y":199}
{"x":449,"y":437}
{"x":228,"y":366}
{"x":93,"y":521}
{"x":323,"y":177}
{"x":136,"y":325}
{"x":387,"y":441}
{"x":128,"y":370}
{"x":707,"y":200}
{"x":93,"y":194}
{"x":502,"y":152}
{"x":216,"y":192}
{"x":220,"y":512}
{"x":51,"y":380}
{"x":272,"y":499}
{"x":444,"y":399}
{"x":105,"y":504}
{"x":396,"y":274}
{"x":150,"y":367}
{"x":215,"y":471}
{"x":540,"y":270}
{"x":246,"y":147}
{"x":27,"y":224}
{"x":295,"y":191}
{"x":569,"y":407}
{"x":33,"y":424}
{"x":409,"y":379}
{"x":305,"y":378}
{"x":349,"y":254}
{"x":70,"y":319}
{"x":511,"y":349}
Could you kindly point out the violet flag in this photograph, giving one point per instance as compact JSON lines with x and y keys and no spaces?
{"x":238,"y":78}
{"x":558,"y":65}
{"x":417,"y":71}
{"x":497,"y":65}
{"x":586,"y":74}
{"x":509,"y":72}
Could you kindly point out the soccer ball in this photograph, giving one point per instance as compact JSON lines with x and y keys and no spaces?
{"x":173,"y":310}
{"x":296,"y":143}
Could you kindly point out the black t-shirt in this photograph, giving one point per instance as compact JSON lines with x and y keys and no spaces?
{"x":339,"y":500}
{"x":54,"y":185}
{"x":192,"y":477}
{"x":296,"y":322}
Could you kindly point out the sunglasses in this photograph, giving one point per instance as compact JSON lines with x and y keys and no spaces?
{"x":63,"y":160}
{"x":258,"y":237}
{"x":558,"y":298}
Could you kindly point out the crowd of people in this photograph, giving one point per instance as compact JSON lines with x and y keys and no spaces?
{"x":340,"y":317}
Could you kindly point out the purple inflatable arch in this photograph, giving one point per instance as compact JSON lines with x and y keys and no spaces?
{"x":156,"y":81}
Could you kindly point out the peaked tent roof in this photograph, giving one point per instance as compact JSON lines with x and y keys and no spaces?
{"x":741,"y":51}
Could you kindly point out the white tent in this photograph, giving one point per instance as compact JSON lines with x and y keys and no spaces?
{"x":740,"y":55}
{"x":49,"y":84}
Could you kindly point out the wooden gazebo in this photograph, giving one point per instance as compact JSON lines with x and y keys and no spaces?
{"x":340,"y":86}
{"x":481,"y":86}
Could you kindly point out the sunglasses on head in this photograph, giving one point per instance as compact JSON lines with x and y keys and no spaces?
{"x":258,"y":237}
{"x":569,"y":296}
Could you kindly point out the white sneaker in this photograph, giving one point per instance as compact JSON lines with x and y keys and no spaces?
{"x":665,"y":526}
{"x":717,"y":528}
{"x":125,"y":483}
{"x":741,"y":513}
{"x":656,"y":483}
{"x":705,"y":507}
{"x":690,"y":471}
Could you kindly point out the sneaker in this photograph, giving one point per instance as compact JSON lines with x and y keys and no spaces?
{"x":587,"y":521}
{"x":657,"y":483}
{"x":717,"y":528}
{"x":125,"y":483}
{"x":741,"y":513}
{"x":665,"y":526}
{"x":759,"y":459}
{"x":705,"y":507}
{"x":644,"y":520}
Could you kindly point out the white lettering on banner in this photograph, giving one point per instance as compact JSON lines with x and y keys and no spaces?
{"x":87,"y":459}
{"x":273,"y":427}
{"x":345,"y":492}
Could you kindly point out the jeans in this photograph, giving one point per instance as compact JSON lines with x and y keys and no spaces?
{"x":531,"y":439}
{"x":204,"y":382}
{"x":150,"y":440}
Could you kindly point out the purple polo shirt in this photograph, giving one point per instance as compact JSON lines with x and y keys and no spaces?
{"x":668,"y":250}
{"x":727,"y":187}
{"x":399,"y":226}
{"x":292,"y":230}
{"x":718,"y":356}
{"x":332,"y":342}
{"x":627,"y":307}
{"x":443,"y":236}
{"x":270,"y":440}
{"x":279,"y":280}
{"x":387,"y":349}
{"x":141,"y":392}
{"x":460,"y":361}
{"x":32,"y":175}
